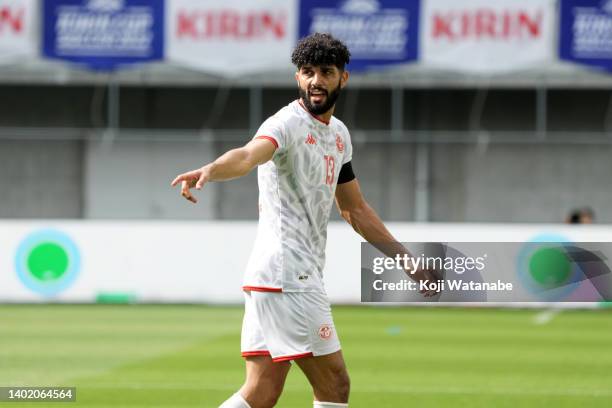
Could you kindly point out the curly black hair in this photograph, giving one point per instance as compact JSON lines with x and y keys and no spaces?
{"x":320,"y":49}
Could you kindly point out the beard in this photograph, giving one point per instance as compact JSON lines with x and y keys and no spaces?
{"x":320,"y":108}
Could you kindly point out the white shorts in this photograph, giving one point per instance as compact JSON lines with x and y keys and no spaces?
{"x":287,"y":325}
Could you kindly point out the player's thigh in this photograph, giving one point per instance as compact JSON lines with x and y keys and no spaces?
{"x":327,"y":374}
{"x":262,"y":372}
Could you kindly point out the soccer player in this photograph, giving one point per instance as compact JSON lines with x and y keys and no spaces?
{"x":304,"y":156}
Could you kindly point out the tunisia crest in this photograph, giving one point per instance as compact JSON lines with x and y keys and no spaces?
{"x":339,"y":143}
{"x":325,"y":332}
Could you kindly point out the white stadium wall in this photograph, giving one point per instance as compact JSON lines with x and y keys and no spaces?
{"x":198,"y":262}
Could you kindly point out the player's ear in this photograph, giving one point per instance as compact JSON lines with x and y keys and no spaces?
{"x":297,"y":77}
{"x":344,"y":77}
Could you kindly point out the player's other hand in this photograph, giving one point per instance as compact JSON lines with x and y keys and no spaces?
{"x":192,"y":179}
{"x":432,"y":277}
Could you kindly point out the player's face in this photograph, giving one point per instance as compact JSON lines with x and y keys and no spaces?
{"x":320,"y":86}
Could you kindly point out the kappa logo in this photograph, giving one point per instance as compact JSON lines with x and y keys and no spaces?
{"x":310,"y":140}
{"x":325,"y":331}
{"x":339,"y":143}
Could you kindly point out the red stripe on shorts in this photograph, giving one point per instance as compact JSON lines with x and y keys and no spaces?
{"x":255,"y":353}
{"x":261,"y":289}
{"x":293,"y":357}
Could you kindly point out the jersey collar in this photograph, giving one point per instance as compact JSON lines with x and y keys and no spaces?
{"x":299,"y":101}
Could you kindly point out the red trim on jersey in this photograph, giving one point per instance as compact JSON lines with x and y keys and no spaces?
{"x":270,"y":138}
{"x":255,"y":353}
{"x":261,"y":289}
{"x":316,"y":117}
{"x":293,"y":357}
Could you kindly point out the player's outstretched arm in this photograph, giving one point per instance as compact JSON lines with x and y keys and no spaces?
{"x":358,"y":213}
{"x":364,"y":220}
{"x":232,"y":164}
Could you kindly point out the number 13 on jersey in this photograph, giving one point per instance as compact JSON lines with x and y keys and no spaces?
{"x":329,"y":169}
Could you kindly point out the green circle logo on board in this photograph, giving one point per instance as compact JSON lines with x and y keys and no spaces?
{"x":546,"y":268}
{"x":47,"y":262}
{"x":550,"y":267}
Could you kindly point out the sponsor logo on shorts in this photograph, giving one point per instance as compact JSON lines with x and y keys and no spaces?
{"x":325,"y":331}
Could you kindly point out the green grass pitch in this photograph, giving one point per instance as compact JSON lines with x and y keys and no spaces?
{"x":188,"y":356}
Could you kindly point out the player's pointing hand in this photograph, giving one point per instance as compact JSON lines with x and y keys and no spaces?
{"x":194,"y":178}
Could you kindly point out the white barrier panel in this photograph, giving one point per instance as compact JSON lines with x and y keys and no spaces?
{"x":88,"y":261}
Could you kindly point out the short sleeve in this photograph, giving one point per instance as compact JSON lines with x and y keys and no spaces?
{"x":274,"y":130}
{"x":348,"y":147}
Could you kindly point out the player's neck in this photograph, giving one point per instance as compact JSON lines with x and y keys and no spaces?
{"x":326,"y":117}
{"x":323,"y":117}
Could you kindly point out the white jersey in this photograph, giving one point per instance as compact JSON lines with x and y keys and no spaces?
{"x":296,"y":194}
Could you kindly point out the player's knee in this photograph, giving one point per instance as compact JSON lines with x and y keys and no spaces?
{"x":343,"y":386}
{"x":263,"y":393}
{"x":265,"y":401}
{"x":335,"y":388}
{"x":273,"y":394}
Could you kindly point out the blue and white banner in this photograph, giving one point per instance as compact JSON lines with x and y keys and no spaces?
{"x":585,"y":32}
{"x":377,"y":32}
{"x":104,"y":34}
